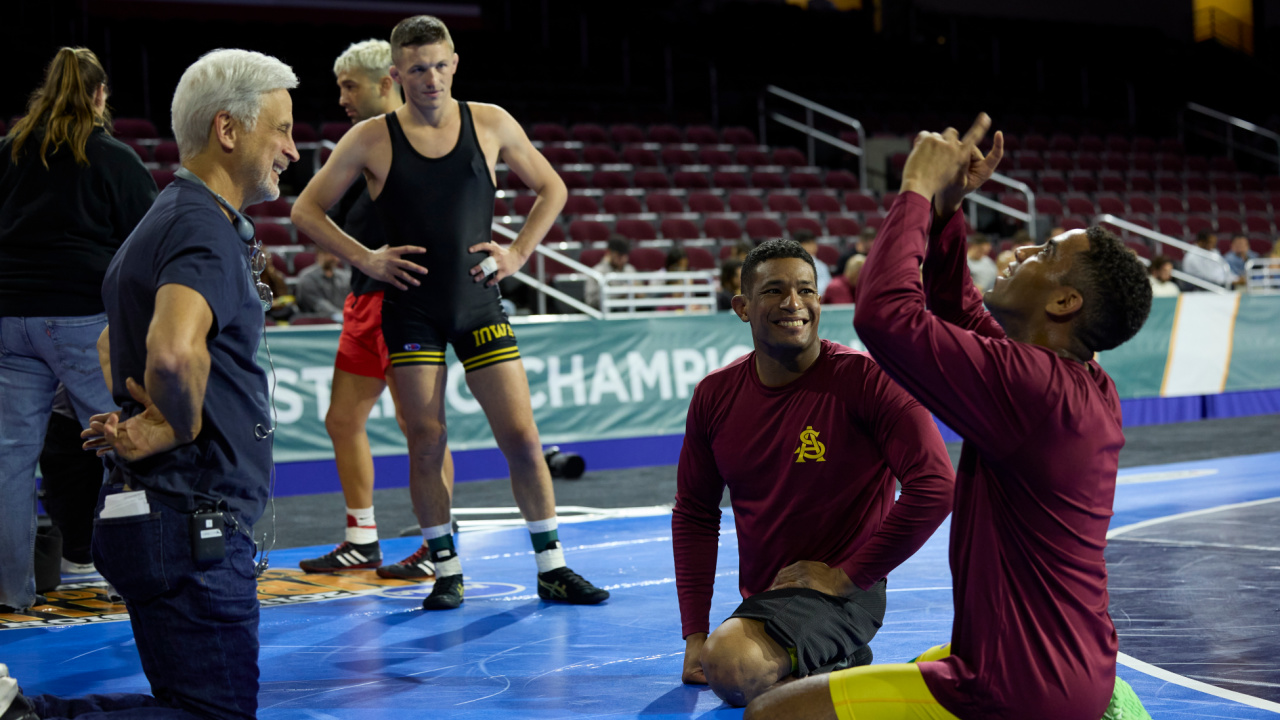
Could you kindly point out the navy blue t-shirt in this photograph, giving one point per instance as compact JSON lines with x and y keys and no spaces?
{"x":186,"y":239}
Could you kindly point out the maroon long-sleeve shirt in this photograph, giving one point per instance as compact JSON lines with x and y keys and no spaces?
{"x":1042,"y":436}
{"x":810,"y":468}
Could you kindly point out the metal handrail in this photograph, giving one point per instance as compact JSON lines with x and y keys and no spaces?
{"x":1186,"y":247}
{"x":1029,"y":216}
{"x":1262,"y":276}
{"x":622,"y":291}
{"x":540,"y":283}
{"x":1235,"y":122}
{"x":810,"y":107}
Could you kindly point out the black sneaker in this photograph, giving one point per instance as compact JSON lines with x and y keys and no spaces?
{"x":417,"y":566}
{"x":446,"y":595}
{"x":347,"y":556}
{"x":563,"y":585}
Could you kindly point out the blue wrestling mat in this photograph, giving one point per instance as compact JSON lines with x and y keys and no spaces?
{"x":1193,"y":587}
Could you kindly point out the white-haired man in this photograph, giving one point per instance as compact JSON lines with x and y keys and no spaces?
{"x":430,"y":169}
{"x":362,"y":370}
{"x":191,"y":447}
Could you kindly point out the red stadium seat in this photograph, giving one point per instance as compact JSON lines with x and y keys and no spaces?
{"x":1199,"y":203}
{"x":874,"y":220}
{"x":1167,"y":225}
{"x":753,"y":156}
{"x":500,"y":207}
{"x":589,"y":133}
{"x":1052,"y":184}
{"x":1111,"y":204}
{"x":592,"y":256}
{"x":1046,"y":205}
{"x":1142,"y":161}
{"x":701,"y":134}
{"x":549,"y":132}
{"x":162,"y":178}
{"x":1059,"y":161}
{"x":1260,"y":224}
{"x":796,"y":223}
{"x":554,"y":234}
{"x":278,"y":208}
{"x":574,"y":180}
{"x":1170,"y":204}
{"x":1229,"y":224}
{"x":1077,"y":205}
{"x":823,"y":202}
{"x":763,"y":228}
{"x":715,"y":156}
{"x":1141,"y":203}
{"x":515,"y":183}
{"x":789,"y":157}
{"x":860,"y":202}
{"x":626,"y":133}
{"x":636,"y":229}
{"x":1083,"y":182}
{"x":1073,"y":222}
{"x":1090,"y":144}
{"x":1141,"y":182}
{"x":1170,"y":183}
{"x":1250,"y":183}
{"x":804,"y":180}
{"x":1035,"y":142}
{"x":886,"y":200}
{"x":843,"y":226}
{"x":272,"y":234}
{"x":166,"y":153}
{"x":1197,"y":223}
{"x":588,"y":230}
{"x":623,"y":204}
{"x":610,"y":180}
{"x":742,"y":203}
{"x":280,"y":263}
{"x":664,"y":134}
{"x":664,"y":203}
{"x":648,"y":259}
{"x":1027,"y":160}
{"x":1111,"y":181}
{"x":333,"y":131}
{"x":827,"y":255}
{"x":523,"y":203}
{"x":690,"y":180}
{"x":842,"y":180}
{"x":700,"y":258}
{"x":1089,"y":161}
{"x":679,"y":229}
{"x":1017,"y":201}
{"x":304,"y":132}
{"x":1227,"y":202}
{"x":1169,"y":162}
{"x":579,"y":205}
{"x":651,"y":179}
{"x":1140,"y":248}
{"x":1117,"y":143}
{"x":302,"y":261}
{"x":738,"y":136}
{"x":1197,"y":183}
{"x":729,"y":180}
{"x":561,"y":155}
{"x":778,"y":202}
{"x":1255,"y":202}
{"x":134,"y":129}
{"x":1062,"y":142}
{"x":639,"y":156}
{"x":767,"y":180}
{"x":722,"y":228}
{"x":705,"y":203}
{"x":677,"y":155}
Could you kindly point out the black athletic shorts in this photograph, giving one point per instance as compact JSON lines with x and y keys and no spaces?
{"x":416,"y":332}
{"x":823,"y":632}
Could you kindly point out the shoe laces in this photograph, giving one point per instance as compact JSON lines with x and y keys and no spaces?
{"x":418,"y":556}
{"x":570,"y":579}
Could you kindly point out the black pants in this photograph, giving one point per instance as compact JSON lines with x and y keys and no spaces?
{"x":69,"y":491}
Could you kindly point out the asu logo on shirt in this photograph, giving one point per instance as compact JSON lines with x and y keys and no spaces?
{"x":810,"y":448}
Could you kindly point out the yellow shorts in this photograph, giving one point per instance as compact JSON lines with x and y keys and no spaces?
{"x":887,"y":692}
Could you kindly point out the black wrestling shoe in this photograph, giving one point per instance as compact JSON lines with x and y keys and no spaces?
{"x":563,"y":585}
{"x":446,"y":595}
{"x":347,"y":556}
{"x":417,"y":566}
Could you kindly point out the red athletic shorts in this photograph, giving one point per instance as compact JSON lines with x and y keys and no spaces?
{"x":361,"y":349}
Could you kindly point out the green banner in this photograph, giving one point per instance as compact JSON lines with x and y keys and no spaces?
{"x":632,"y":377}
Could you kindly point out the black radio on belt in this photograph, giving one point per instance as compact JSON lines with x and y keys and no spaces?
{"x":207,"y":542}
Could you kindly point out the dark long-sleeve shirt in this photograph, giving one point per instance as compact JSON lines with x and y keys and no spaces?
{"x":1034,"y":490}
{"x":60,"y":226}
{"x":810,"y":468}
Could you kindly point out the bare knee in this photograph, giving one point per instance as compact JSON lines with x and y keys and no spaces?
{"x":342,"y":424}
{"x":736,"y":670}
{"x":427,"y":438}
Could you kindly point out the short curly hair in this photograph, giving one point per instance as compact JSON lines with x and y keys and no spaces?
{"x":1116,"y":292}
{"x":773,"y":250}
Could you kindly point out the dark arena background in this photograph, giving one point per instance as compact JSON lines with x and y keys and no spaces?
{"x":700,"y":126}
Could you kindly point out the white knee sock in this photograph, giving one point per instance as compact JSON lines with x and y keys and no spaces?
{"x":361,"y":528}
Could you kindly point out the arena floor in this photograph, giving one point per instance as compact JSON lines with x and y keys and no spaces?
{"x":1193,"y":583}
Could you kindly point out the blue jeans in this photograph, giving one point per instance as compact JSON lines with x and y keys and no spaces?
{"x":35,"y":354}
{"x":196,"y":627}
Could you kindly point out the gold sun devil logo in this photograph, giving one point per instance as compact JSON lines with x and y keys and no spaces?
{"x":810,"y":448}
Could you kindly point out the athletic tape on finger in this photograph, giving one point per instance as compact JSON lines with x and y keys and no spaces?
{"x":489,"y":266}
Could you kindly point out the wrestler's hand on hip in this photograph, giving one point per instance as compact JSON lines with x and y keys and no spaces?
{"x":693,"y":673}
{"x":504,"y":263}
{"x":141,"y":436}
{"x":388,"y":265}
{"x":939,"y":159}
{"x":815,"y":576}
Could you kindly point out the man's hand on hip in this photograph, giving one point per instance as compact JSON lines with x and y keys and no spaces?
{"x":141,"y":436}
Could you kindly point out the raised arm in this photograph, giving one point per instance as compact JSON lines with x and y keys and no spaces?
{"x":695,"y":534}
{"x":349,"y":159}
{"x":533,"y":169}
{"x":972,"y":381}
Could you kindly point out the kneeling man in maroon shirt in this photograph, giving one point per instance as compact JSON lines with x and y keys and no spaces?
{"x":1042,"y":436}
{"x":808,"y":436}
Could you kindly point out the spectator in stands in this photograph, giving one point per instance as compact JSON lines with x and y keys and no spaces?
{"x":322,"y":288}
{"x":1162,"y":284}
{"x":69,"y":196}
{"x":1208,"y":264}
{"x":741,"y":249}
{"x":1003,"y":261}
{"x":861,"y":245}
{"x":615,"y":260}
{"x":842,"y":287}
{"x":283,"y":303}
{"x":677,"y":260}
{"x":810,"y":245}
{"x":730,"y":283}
{"x":981,"y":267}
{"x":1239,"y":255}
